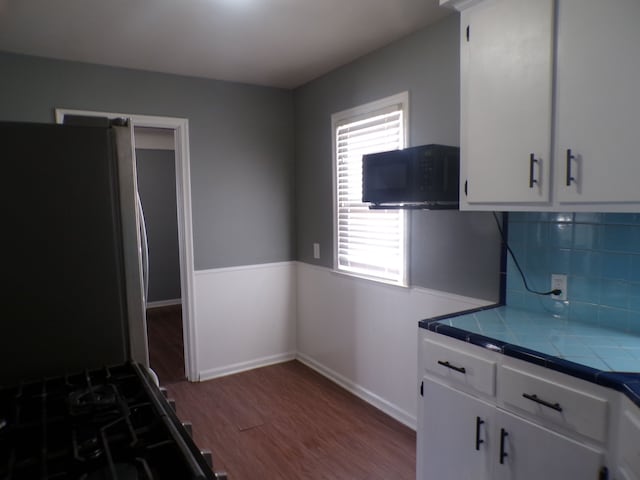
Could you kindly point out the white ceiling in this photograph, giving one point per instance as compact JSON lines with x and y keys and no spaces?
{"x":281,"y":43}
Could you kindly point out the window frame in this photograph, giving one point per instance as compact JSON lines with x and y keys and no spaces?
{"x":351,"y":115}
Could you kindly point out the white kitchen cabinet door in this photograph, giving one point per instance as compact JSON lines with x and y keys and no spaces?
{"x":451,"y":422}
{"x":506,"y":101}
{"x":629,"y":442}
{"x":623,"y":474}
{"x":598,"y":101}
{"x":531,"y":452}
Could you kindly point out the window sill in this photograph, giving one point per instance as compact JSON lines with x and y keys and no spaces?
{"x":370,"y":278}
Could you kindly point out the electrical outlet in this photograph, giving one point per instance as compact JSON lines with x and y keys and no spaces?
{"x":316,"y":250}
{"x":559,"y":282}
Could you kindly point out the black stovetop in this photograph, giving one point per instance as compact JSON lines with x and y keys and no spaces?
{"x":108,"y":424}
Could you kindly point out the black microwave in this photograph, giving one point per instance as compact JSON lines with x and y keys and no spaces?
{"x":427,"y":176}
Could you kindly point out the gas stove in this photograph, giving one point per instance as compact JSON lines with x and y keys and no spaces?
{"x":107,"y":424}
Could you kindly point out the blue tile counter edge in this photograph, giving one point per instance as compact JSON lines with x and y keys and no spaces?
{"x":424,"y":323}
{"x":627,"y":383}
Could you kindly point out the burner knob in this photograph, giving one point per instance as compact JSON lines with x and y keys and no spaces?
{"x":188,"y":427}
{"x":207,"y":457}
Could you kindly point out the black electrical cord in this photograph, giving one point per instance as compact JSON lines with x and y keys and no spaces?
{"x":555,"y":291}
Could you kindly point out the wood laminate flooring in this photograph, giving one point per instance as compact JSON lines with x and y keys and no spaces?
{"x":281,"y":422}
{"x":288,"y":422}
{"x":166,"y":350}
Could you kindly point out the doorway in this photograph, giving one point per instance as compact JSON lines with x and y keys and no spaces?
{"x":156,"y":173}
{"x":179,"y":128}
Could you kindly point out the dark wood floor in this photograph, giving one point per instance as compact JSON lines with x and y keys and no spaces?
{"x":287,"y":422}
{"x":166,"y":350}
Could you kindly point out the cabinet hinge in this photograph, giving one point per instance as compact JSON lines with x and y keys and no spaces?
{"x":422,"y":389}
{"x":466,"y":185}
{"x":468,"y":32}
{"x":604,"y":474}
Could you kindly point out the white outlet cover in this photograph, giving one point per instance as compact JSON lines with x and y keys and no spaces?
{"x":559,"y":281}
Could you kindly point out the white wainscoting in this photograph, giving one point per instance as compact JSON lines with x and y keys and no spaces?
{"x":363,"y":334}
{"x":360,"y":334}
{"x":245,"y":317}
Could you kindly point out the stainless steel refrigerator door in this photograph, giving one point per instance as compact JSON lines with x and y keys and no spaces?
{"x":132,"y":241}
{"x":66,"y":307}
{"x":144,"y":250}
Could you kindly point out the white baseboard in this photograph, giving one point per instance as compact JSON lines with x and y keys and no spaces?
{"x":366,"y":395}
{"x":244,"y":366}
{"x":164,"y":303}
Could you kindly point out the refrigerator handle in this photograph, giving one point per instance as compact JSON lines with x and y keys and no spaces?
{"x":145,"y":248}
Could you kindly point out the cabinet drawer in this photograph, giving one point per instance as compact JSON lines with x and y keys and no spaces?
{"x":574,"y":409}
{"x":459,"y":367}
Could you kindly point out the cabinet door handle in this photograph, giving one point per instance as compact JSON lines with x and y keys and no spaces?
{"x":570,"y":178}
{"x":479,"y":422}
{"x":503,"y":434}
{"x":452,"y":367}
{"x":534,"y":398}
{"x":532,"y":161}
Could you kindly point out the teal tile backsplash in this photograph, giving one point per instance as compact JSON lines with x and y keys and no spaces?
{"x":599,"y":253}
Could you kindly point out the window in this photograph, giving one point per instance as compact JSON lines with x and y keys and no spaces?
{"x":368,"y":243}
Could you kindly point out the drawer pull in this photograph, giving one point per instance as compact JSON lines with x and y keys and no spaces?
{"x":479,"y":422}
{"x":532,"y":161}
{"x":534,"y":398}
{"x":452,"y":367}
{"x":570,"y":178}
{"x":604,"y":474}
{"x":503,"y":434}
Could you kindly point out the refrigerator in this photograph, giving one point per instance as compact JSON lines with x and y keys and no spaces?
{"x":73,"y":275}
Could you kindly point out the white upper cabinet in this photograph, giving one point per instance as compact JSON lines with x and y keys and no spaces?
{"x":598,"y":101}
{"x":506,"y":47}
{"x":550,"y":104}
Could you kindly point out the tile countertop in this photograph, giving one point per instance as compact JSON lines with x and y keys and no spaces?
{"x":596,"y":354}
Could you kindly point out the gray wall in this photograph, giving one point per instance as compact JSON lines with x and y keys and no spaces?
{"x":451,"y":251}
{"x":241,"y":142}
{"x":157,"y":187}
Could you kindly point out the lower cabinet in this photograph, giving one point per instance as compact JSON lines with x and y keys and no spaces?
{"x":629,"y":443}
{"x":461,"y":437}
{"x":452,"y":435}
{"x":623,"y":474}
{"x":529,"y":451}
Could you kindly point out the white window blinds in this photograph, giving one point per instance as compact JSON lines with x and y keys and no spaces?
{"x":368,"y":242}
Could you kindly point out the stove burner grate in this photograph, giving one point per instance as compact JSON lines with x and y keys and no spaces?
{"x":109,"y":424}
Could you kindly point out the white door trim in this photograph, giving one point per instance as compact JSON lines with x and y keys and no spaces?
{"x":180,"y":126}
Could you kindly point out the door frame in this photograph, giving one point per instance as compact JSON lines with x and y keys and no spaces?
{"x":180,"y":127}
